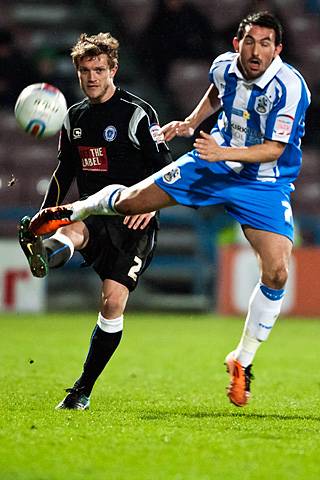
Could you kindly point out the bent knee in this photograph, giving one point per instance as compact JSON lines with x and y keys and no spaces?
{"x":112,"y":304}
{"x":276,"y":277}
{"x":77,"y":232}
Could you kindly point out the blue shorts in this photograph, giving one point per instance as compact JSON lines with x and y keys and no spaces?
{"x":263,"y":205}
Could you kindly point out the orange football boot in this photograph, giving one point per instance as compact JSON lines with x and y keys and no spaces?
{"x":50,"y":219}
{"x":238,"y":390}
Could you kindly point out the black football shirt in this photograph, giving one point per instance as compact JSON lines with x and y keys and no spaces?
{"x":118,"y":141}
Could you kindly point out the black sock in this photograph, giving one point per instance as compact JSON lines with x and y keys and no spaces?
{"x":58,"y":252}
{"x":102,"y":346}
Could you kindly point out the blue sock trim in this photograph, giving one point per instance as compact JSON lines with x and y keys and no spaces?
{"x":112,"y":200}
{"x":271,"y":293}
{"x":55,"y":252}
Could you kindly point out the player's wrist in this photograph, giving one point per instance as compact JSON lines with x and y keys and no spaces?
{"x":190,"y":122}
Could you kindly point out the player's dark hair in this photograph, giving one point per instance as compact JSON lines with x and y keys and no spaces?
{"x":91,"y":46}
{"x":262,"y":19}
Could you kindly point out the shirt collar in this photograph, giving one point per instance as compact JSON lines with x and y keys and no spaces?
{"x":262,"y":81}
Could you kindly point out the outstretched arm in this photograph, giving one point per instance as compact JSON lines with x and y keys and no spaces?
{"x":63,"y":175}
{"x":209,"y":104}
{"x":59,"y":185}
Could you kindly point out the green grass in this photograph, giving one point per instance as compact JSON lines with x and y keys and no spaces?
{"x":159,"y":411}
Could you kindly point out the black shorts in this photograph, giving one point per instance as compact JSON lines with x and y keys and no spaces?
{"x":117,"y":252}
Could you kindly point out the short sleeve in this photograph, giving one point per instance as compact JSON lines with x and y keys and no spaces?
{"x":287,"y":116}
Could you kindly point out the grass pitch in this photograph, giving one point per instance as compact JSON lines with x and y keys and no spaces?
{"x":159,"y":411}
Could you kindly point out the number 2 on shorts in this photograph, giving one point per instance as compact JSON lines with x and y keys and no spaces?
{"x":135,"y":268}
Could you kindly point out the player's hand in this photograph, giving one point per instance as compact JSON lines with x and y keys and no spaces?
{"x":177,"y":129}
{"x":140,"y":221}
{"x":207,"y":148}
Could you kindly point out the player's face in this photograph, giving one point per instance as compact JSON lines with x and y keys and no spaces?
{"x":96,"y":78}
{"x":257,"y":49}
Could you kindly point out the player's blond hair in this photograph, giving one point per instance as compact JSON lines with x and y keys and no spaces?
{"x":91,"y":46}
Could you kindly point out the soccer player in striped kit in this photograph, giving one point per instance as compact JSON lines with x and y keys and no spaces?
{"x":248,"y":163}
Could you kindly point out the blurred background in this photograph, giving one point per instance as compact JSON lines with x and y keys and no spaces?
{"x":166,"y":49}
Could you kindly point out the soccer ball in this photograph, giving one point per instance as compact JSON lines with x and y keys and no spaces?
{"x":40,"y":110}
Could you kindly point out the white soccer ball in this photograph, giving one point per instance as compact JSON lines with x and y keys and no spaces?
{"x":40,"y":110}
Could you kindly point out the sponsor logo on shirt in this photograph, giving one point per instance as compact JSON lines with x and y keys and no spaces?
{"x":93,"y":159}
{"x":262,"y":104}
{"x":156,"y":134}
{"x":246,"y":134}
{"x":283,"y":125}
{"x":241,"y":113}
{"x":110,"y":133}
{"x":172,"y":176}
{"x":76,"y":133}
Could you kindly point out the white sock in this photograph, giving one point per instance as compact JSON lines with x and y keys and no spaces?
{"x":264,"y":308}
{"x":110,"y":325}
{"x":246,"y":350}
{"x":100,"y":203}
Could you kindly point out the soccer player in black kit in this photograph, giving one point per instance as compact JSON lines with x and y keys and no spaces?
{"x":110,"y":137}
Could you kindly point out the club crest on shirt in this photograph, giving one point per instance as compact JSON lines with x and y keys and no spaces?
{"x":110,"y":133}
{"x":262,"y":104}
{"x":172,"y":176}
{"x":76,"y":133}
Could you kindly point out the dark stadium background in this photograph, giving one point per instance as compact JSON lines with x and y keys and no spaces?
{"x":169,"y":67}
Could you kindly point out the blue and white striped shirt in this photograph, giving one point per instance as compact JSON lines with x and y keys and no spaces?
{"x":270,"y":107}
